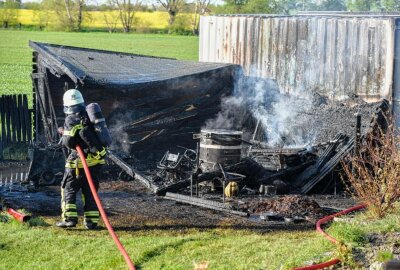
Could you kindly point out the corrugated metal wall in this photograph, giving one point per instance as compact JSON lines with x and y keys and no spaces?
{"x":337,"y":56}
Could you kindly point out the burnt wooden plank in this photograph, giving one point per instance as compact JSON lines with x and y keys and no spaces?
{"x":15,"y":119}
{"x":32,"y":132}
{"x":22,"y":117}
{"x":8,"y":119}
{"x":324,"y":158}
{"x":3,"y":119}
{"x":201,"y":202}
{"x":328,"y":166}
{"x":12,"y":119}
{"x":28,"y":119}
{"x":132,"y":172}
{"x":18,"y":125}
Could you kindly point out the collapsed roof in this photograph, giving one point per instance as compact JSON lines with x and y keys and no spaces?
{"x":99,"y":67}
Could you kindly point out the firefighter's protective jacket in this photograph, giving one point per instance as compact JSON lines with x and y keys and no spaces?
{"x":78,"y":130}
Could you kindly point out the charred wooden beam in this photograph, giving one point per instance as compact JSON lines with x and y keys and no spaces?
{"x":327,"y":154}
{"x":132,"y":172}
{"x":204,"y":203}
{"x":174,"y":187}
{"x":313,"y":170}
{"x":328,"y":167}
{"x":266,"y":149}
{"x":284,"y":173}
{"x":3,"y":120}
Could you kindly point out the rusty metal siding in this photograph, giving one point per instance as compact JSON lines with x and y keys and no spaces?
{"x":337,"y":56}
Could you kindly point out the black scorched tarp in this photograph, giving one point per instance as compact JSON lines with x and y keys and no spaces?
{"x":145,"y":99}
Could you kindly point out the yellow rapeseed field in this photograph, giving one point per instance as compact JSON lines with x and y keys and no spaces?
{"x":102,"y":19}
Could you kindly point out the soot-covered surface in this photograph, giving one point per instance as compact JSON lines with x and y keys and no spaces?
{"x":131,"y":207}
{"x":102,"y":67}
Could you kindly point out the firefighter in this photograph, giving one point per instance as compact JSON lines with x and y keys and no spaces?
{"x":78,"y":130}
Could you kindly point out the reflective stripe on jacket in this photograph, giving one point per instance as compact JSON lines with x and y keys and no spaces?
{"x":91,"y":162}
{"x":73,"y":131}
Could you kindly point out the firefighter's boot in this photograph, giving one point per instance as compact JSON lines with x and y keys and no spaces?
{"x":90,"y":225}
{"x":66,"y":223}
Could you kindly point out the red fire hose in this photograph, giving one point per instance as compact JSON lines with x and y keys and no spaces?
{"x":21,"y":217}
{"x":102,"y":212}
{"x":330,"y":238}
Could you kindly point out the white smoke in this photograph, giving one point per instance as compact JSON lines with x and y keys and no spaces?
{"x":284,"y":117}
{"x":116,"y":126}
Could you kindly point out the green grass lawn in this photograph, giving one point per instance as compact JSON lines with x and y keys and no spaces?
{"x":39,"y":246}
{"x":16,"y":55}
{"x":23,"y":247}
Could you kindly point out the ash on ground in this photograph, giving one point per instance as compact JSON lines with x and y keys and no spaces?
{"x":131,"y":207}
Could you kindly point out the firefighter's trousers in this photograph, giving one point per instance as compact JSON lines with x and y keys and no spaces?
{"x":73,"y":181}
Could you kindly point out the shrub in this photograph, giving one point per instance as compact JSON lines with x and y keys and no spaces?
{"x":373,"y":171}
{"x":384,"y":256}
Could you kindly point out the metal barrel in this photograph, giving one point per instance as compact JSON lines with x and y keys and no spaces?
{"x":219,"y":146}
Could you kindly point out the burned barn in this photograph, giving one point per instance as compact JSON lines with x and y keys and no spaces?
{"x":273,"y":107}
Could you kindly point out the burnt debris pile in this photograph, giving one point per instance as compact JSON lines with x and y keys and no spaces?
{"x":289,"y":206}
{"x":328,"y":129}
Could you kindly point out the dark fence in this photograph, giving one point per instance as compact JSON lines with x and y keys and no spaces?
{"x":15,"y":121}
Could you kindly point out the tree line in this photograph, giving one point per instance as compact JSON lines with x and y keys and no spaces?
{"x":70,"y":13}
